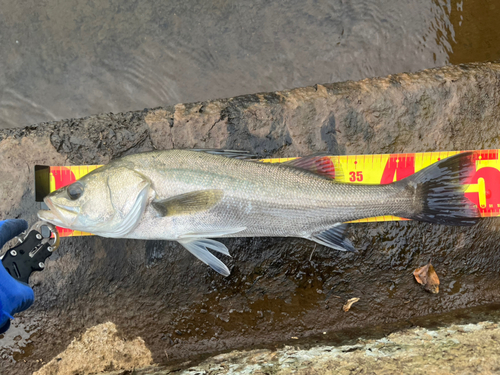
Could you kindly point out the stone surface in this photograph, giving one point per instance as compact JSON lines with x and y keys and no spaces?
{"x":99,"y":349}
{"x":157,"y":291}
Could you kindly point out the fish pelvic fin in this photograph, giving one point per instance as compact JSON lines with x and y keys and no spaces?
{"x":188,"y":203}
{"x":438,"y":192}
{"x":321,"y":165}
{"x":334,"y":238}
{"x":199,"y":248}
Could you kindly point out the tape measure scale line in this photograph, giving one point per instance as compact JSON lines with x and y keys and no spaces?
{"x":483,"y":189}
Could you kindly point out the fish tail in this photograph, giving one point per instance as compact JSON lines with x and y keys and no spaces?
{"x":438,"y":192}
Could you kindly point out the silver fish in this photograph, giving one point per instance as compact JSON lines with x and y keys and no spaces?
{"x":192,"y":196}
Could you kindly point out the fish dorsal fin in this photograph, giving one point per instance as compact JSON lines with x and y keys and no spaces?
{"x":188,"y":203}
{"x":319,"y":164}
{"x":199,"y":248}
{"x":235,"y":154}
{"x":334,"y":238}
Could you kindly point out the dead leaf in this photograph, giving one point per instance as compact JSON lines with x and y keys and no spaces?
{"x":349,"y":303}
{"x":428,"y":277}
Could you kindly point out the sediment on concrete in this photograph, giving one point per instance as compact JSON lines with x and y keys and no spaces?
{"x":156,"y":291}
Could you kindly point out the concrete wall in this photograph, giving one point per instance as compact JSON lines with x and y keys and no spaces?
{"x":158,"y":291}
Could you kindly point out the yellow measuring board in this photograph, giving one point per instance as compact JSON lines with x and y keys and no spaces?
{"x":483,"y":188}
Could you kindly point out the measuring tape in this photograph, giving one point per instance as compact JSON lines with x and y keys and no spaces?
{"x":483,"y":190}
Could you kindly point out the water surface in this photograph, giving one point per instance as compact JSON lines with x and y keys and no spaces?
{"x":67,"y":58}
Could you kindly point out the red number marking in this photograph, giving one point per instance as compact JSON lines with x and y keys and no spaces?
{"x":400,"y":166}
{"x":491,"y":178}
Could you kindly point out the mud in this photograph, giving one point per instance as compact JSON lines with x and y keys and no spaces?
{"x":157,"y":291}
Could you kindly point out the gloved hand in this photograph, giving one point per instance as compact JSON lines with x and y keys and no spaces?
{"x":15,"y":296}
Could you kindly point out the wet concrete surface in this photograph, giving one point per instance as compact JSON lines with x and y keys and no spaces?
{"x":157,"y":291}
{"x":440,"y":343}
{"x":443,"y":351}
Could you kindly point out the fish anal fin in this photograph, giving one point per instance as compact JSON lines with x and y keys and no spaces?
{"x":334,"y":238}
{"x":319,"y":164}
{"x":188,"y":203}
{"x":199,"y":248}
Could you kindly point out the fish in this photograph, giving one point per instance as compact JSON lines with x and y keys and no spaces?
{"x":193,"y":196}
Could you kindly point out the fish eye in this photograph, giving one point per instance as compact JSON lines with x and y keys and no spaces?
{"x":75,"y":190}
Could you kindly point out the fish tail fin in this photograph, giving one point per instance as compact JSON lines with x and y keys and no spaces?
{"x":439,"y":192}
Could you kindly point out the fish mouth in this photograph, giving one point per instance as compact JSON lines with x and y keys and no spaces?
{"x":49,"y":216}
{"x":56,"y":214}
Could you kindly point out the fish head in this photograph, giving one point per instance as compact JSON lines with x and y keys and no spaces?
{"x":109,"y":202}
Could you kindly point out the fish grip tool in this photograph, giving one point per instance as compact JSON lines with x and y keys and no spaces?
{"x":31,"y":252}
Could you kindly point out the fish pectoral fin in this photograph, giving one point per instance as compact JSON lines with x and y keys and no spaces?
{"x":334,"y":238}
{"x":188,"y":203}
{"x":321,"y":165}
{"x":199,"y":248}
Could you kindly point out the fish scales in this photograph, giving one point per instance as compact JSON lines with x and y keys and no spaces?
{"x":267,"y":199}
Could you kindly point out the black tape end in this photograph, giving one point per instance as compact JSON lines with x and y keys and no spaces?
{"x":42,"y":182}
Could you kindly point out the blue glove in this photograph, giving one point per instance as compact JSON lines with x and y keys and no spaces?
{"x":15,"y":296}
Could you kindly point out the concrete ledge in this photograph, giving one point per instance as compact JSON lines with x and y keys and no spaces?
{"x":445,"y":350}
{"x":157,"y":291}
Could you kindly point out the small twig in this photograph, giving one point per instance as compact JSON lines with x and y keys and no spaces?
{"x":312,"y":252}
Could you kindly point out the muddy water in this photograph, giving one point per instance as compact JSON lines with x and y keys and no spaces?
{"x":64,"y":59}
